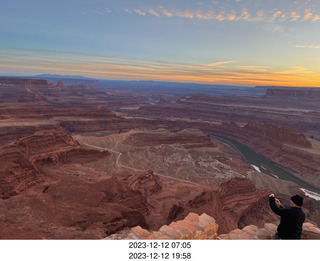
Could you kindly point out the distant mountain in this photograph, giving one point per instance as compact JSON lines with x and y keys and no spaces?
{"x":58,"y":76}
{"x":152,"y":87}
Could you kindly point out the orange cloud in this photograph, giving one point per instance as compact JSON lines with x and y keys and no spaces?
{"x":307,"y":15}
{"x":316,"y":18}
{"x":229,"y":15}
{"x":139,"y":12}
{"x":35,"y":62}
{"x":165,"y":11}
{"x":245,"y":14}
{"x":185,"y":14}
{"x":152,"y":11}
{"x":275,"y":15}
{"x":220,"y":16}
{"x":295,"y":16}
{"x":208,"y":16}
{"x":232,"y":16}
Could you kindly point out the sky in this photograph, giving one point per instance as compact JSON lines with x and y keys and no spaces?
{"x":233,"y":42}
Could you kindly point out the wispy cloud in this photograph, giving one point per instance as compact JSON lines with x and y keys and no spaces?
{"x":152,"y":11}
{"x":221,"y":12}
{"x":165,"y":11}
{"x":206,"y":16}
{"x":218,"y":64}
{"x":185,"y":14}
{"x":275,"y":15}
{"x":139,"y":12}
{"x":96,"y":12}
{"x":295,"y":71}
{"x":127,"y":10}
{"x":308,"y":46}
{"x":223,"y":72}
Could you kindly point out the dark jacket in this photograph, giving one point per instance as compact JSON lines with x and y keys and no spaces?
{"x":291,"y":220}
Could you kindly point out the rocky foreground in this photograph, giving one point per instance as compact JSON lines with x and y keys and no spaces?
{"x":205,"y":227}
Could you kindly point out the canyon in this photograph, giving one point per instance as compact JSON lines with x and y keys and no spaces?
{"x":84,"y":162}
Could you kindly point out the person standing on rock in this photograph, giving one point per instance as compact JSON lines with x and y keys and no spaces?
{"x":292,"y":218}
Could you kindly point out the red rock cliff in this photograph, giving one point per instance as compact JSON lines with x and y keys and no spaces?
{"x":276,"y":133}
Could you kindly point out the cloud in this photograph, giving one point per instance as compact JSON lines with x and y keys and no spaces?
{"x":185,"y":14}
{"x":307,"y":15}
{"x":42,"y":61}
{"x":232,"y":16}
{"x":260,"y":13}
{"x":152,"y":11}
{"x":275,"y":15}
{"x":218,"y":64}
{"x":208,"y":16}
{"x":165,"y":11}
{"x":316,"y":18}
{"x":245,"y":14}
{"x":295,"y":16}
{"x":139,"y":12}
{"x":295,"y":70}
{"x":96,"y":12}
{"x":308,"y":46}
{"x":223,"y":12}
{"x":278,"y":28}
{"x":128,"y":11}
{"x":220,"y":17}
{"x":254,"y":67}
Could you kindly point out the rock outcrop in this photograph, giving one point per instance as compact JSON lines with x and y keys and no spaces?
{"x":237,"y":203}
{"x":147,"y":183}
{"x":205,"y":227}
{"x":192,"y":226}
{"x":269,"y":231}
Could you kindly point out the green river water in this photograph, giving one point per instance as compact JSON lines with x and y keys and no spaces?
{"x":264,"y":165}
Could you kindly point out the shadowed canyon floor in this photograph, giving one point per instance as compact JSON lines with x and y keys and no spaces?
{"x":71,"y":168}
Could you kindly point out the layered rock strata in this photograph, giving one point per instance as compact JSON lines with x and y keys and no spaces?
{"x":20,"y":161}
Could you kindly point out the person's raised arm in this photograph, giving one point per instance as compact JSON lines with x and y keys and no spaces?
{"x":273,"y":205}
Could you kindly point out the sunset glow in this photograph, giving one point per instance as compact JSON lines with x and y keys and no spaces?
{"x":219,"y":42}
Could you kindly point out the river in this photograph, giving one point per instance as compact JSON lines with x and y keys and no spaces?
{"x":263,"y":165}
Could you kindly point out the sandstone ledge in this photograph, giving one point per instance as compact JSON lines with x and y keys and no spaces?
{"x":205,"y":227}
{"x":269,"y":231}
{"x":192,"y":227}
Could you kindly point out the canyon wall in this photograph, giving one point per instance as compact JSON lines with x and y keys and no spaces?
{"x":294,"y":93}
{"x":34,"y":90}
